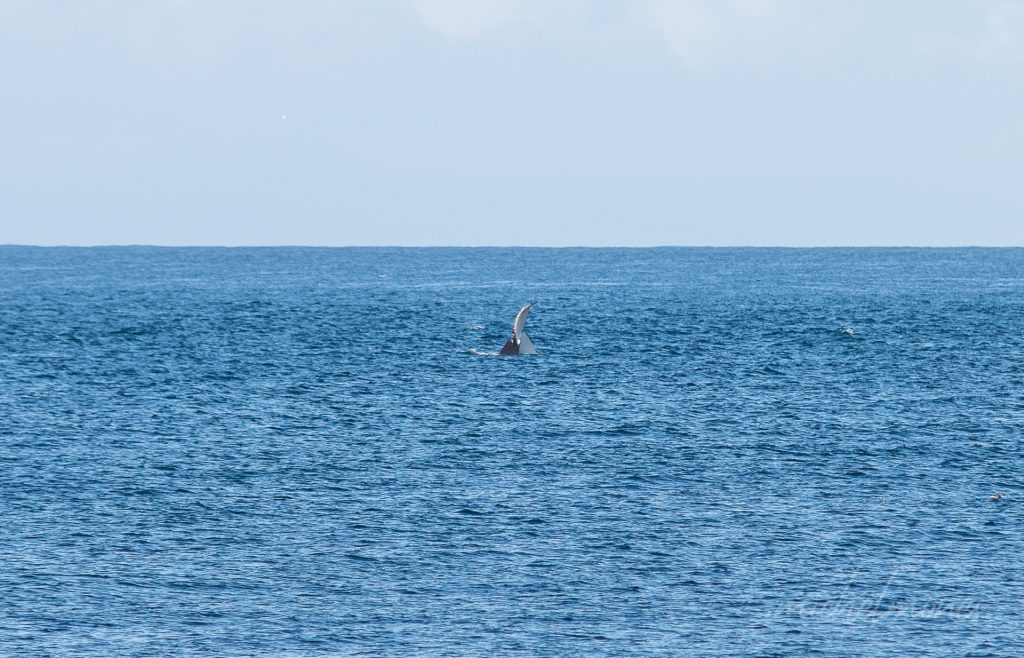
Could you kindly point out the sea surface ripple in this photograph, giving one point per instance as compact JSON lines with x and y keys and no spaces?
{"x":309,"y":452}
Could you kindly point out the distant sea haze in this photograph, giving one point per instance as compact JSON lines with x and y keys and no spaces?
{"x":313,"y":452}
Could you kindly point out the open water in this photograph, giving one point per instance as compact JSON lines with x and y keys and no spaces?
{"x":717,"y":452}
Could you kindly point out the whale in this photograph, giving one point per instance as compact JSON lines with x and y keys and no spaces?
{"x":519,"y":343}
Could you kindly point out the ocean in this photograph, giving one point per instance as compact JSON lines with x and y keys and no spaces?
{"x":316,"y":452}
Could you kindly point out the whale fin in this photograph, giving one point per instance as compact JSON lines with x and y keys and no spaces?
{"x":520,"y":322}
{"x":519,"y":343}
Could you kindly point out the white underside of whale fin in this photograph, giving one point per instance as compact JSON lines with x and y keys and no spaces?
{"x":520,"y":321}
{"x":526,"y":345}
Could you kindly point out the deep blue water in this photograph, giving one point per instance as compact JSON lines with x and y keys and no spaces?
{"x":296,"y":452}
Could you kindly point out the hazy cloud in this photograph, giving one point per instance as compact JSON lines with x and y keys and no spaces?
{"x":463,"y":19}
{"x":700,"y":33}
{"x":705,"y":33}
{"x":1004,"y":25}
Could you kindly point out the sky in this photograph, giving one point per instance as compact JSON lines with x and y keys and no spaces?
{"x":512,"y":122}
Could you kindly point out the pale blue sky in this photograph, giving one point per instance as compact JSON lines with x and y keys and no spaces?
{"x":527,"y":122}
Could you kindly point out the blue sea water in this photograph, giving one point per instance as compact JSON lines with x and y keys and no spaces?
{"x":312,"y":452}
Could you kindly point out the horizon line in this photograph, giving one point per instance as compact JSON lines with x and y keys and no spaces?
{"x":141,"y":245}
